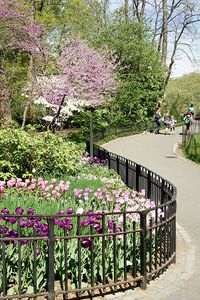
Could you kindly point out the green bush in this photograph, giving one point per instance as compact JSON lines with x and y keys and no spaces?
{"x":23,"y":154}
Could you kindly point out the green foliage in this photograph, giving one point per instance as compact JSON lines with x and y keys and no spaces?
{"x":22,"y":154}
{"x":139,"y":71}
{"x":65,"y":18}
{"x":181,"y":92}
{"x":101,"y":121}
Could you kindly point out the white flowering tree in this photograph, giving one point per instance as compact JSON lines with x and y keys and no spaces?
{"x":86,"y":78}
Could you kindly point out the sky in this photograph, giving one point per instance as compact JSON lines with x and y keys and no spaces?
{"x":182,"y":63}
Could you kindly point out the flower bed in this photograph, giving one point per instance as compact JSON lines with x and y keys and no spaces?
{"x":108,"y":214}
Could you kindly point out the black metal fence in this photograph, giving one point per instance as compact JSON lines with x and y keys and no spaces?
{"x":118,"y":250}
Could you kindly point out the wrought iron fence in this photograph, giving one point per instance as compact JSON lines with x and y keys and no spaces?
{"x":118,"y":250}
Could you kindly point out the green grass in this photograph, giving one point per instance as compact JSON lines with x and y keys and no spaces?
{"x":192,"y":148}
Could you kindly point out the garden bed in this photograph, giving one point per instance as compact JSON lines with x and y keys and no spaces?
{"x":89,"y":213}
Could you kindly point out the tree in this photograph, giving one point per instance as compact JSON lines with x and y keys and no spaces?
{"x":174,"y":24}
{"x":18,"y":31}
{"x":18,"y":34}
{"x":181,"y":92}
{"x":139,"y":70}
{"x":85,"y":77}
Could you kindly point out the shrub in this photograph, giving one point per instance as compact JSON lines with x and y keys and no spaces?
{"x":22,"y":154}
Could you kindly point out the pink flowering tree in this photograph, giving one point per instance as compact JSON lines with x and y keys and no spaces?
{"x":86,"y":78}
{"x":18,"y":29}
{"x":19,"y":33}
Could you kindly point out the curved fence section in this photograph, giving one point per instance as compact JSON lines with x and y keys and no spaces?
{"x":89,"y":254}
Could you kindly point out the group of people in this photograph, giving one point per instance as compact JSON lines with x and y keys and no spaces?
{"x":169,"y":121}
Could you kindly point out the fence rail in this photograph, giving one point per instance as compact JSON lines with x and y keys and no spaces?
{"x":84,"y":263}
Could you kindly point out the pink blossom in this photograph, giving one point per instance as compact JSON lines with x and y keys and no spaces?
{"x":109,"y":199}
{"x":76,"y":192}
{"x":58,"y":195}
{"x":53,"y":181}
{"x":54,"y":192}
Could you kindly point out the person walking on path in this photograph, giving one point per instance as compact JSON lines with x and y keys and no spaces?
{"x":187,"y":120}
{"x":158,"y":119}
{"x":172,"y":125}
{"x":167,"y":121}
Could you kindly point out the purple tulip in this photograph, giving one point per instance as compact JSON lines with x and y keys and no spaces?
{"x":89,"y":212}
{"x":37,"y":251}
{"x":86,"y":242}
{"x":68,"y":225}
{"x":69,"y":211}
{"x":19,"y":210}
{"x":5,"y":211}
{"x":110,"y":224}
{"x":12,"y":233}
{"x":44,"y":234}
{"x":30,"y":223}
{"x":56,"y":221}
{"x":61,"y":223}
{"x":38,"y":219}
{"x":98,"y":228}
{"x":44,"y":227}
{"x":24,"y":242}
{"x":12,"y":220}
{"x":30,"y":211}
{"x":61,"y":212}
{"x":3,"y":229}
{"x":37,"y":228}
{"x":92,"y":219}
{"x":85,"y":222}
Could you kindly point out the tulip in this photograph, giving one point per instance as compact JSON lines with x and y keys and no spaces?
{"x":86,"y":242}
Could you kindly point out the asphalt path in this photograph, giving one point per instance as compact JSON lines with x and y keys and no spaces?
{"x":157,"y":153}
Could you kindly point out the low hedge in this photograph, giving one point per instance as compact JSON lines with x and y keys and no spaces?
{"x":24,"y":154}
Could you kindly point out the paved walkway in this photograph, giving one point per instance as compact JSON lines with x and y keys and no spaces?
{"x":157,"y":152}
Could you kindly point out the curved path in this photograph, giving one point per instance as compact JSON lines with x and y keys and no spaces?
{"x":156,"y":152}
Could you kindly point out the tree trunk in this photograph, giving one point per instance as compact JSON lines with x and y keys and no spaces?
{"x":53,"y":123}
{"x":104,"y":7}
{"x":126,"y":10}
{"x":164,"y":34}
{"x":30,"y":68}
{"x":139,"y":9}
{"x":5,"y":112}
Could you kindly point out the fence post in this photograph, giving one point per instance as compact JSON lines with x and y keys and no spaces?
{"x":91,"y":136}
{"x":127,"y":165}
{"x":162,"y":200}
{"x":149,"y":185}
{"x":117,"y":160}
{"x":51,"y":241}
{"x":137,"y":177}
{"x":143,"y":234}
